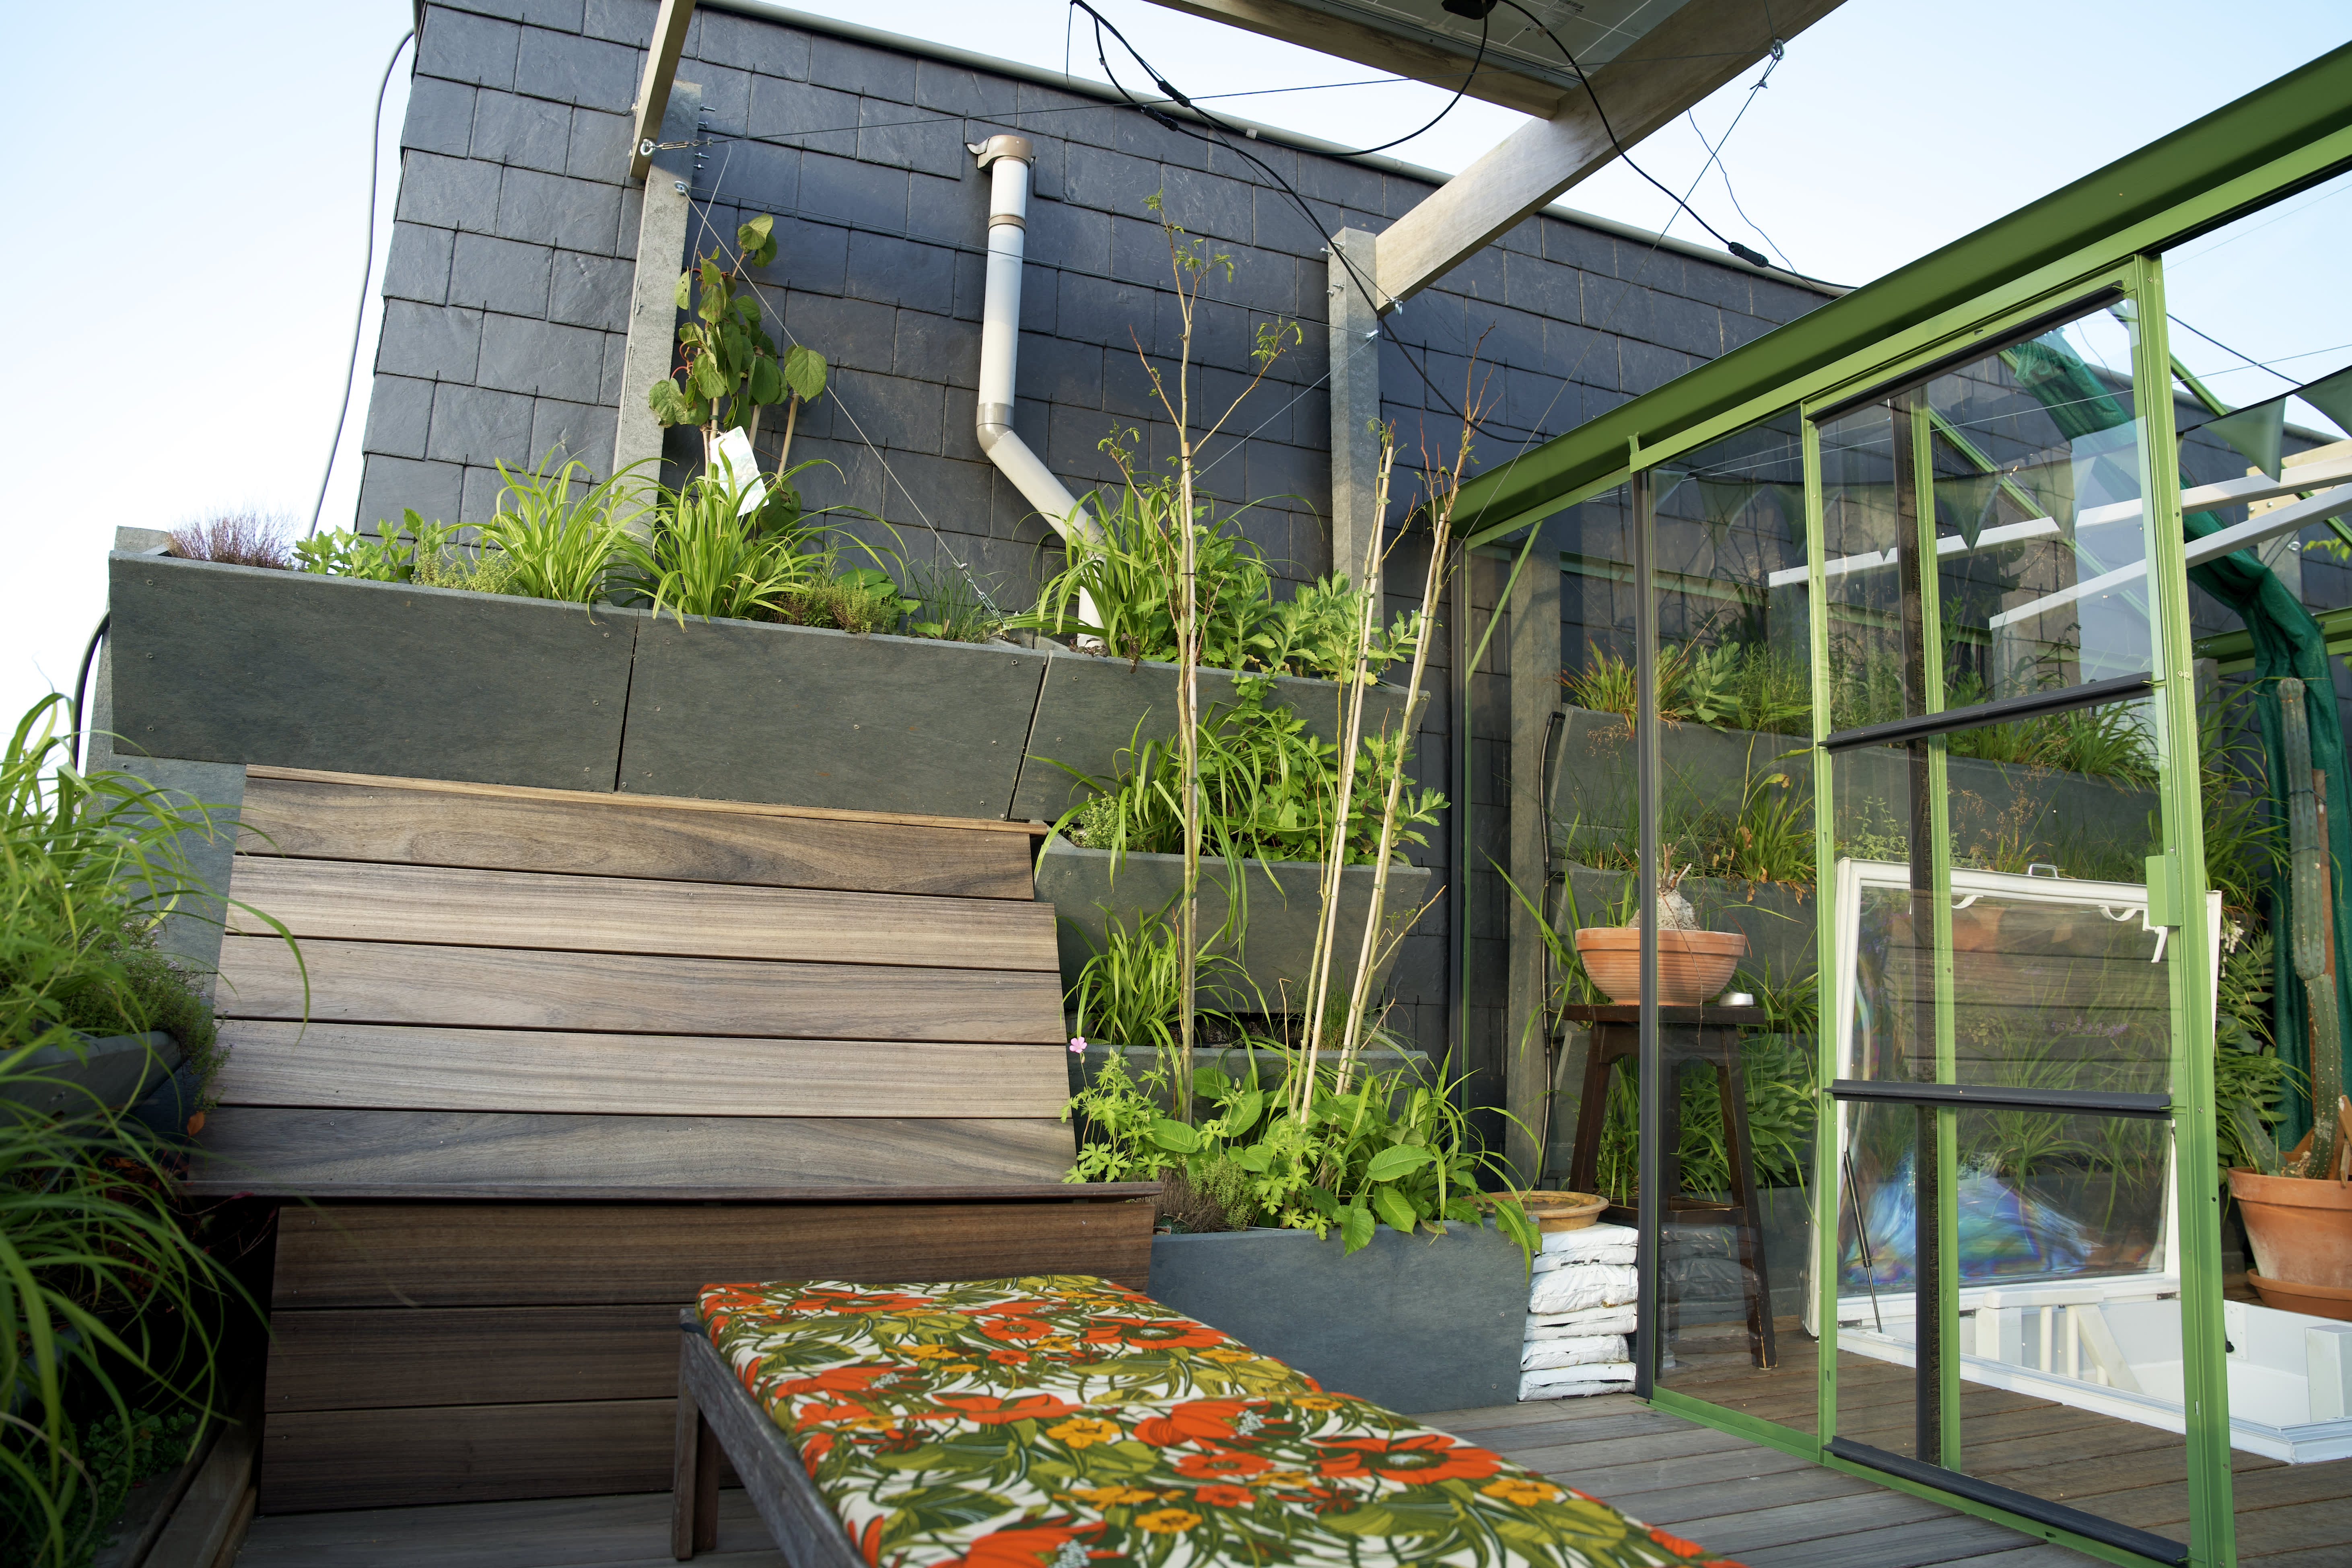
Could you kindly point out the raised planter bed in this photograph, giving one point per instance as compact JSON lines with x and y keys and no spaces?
{"x":1704,"y":769}
{"x":1283,"y":900}
{"x":238,"y":664}
{"x":1090,"y":707}
{"x":1414,"y":1323}
{"x":800,"y":716}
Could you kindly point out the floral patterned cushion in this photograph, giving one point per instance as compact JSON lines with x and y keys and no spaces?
{"x":1060,"y":1421}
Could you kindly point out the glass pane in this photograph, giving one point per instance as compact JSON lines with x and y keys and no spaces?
{"x":2028,"y":463}
{"x":2070,"y":1330}
{"x":1877,"y":1177}
{"x":2025,"y":960}
{"x":2246,"y":285}
{"x":2040,"y":541}
{"x":1861,"y":527}
{"x":1736,"y":826}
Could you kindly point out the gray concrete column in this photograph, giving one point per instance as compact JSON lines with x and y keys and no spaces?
{"x":1534,"y":655}
{"x":653,"y":303}
{"x":1355,"y":407}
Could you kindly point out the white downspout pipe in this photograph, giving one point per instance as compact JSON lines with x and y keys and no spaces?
{"x":1007,"y":158}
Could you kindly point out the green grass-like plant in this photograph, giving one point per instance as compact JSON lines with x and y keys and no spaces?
{"x":562,"y":533}
{"x":103,"y":1289}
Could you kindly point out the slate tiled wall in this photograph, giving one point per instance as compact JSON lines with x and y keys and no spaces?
{"x":507,"y":290}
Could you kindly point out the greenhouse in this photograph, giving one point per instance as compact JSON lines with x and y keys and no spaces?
{"x":2040,"y":841}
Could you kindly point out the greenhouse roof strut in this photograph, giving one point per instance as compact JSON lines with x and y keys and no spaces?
{"x":2292,"y":132}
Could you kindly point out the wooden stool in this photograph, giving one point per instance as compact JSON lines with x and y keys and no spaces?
{"x":1686,"y":1034}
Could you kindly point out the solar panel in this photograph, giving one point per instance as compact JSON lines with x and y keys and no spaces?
{"x":1595,"y":32}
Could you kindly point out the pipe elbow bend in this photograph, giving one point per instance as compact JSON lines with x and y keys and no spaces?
{"x":994,"y":424}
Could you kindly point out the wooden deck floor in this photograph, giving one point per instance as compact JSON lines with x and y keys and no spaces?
{"x":1765,"y":1508}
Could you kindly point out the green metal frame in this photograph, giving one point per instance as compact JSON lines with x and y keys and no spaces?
{"x":2264,"y":146}
{"x":2104,"y":230}
{"x":2206,"y":1436}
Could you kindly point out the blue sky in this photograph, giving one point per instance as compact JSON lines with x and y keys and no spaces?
{"x":190,"y":196}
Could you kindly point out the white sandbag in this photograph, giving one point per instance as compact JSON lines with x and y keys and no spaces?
{"x":1576,"y":1325}
{"x":1617,"y":1256}
{"x":1586,"y":1243}
{"x":1570,"y":1381}
{"x":1582,"y":1350}
{"x":1586,"y":1285}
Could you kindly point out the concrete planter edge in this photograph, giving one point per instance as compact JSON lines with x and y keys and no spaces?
{"x":1415,"y":1323}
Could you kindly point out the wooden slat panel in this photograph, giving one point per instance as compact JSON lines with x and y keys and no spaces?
{"x":429,"y":1255}
{"x":391,"y":1459}
{"x":383,"y":1067}
{"x":364,"y":901}
{"x":489,"y":1154}
{"x":366,"y":1360}
{"x":399,"y":983}
{"x":426,"y":824}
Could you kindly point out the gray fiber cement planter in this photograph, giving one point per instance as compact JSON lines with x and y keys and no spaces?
{"x":1414,"y":1323}
{"x":236,"y":663}
{"x":1282,"y":900}
{"x":113,"y":1071}
{"x":1705,"y":771}
{"x":240,"y":665}
{"x":1092,"y":706}
{"x":739,"y":710}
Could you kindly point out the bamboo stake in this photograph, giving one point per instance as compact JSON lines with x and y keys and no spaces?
{"x":1448,"y":486}
{"x":1335,"y":856}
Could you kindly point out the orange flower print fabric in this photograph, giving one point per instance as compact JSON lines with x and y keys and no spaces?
{"x":1127,"y":1433}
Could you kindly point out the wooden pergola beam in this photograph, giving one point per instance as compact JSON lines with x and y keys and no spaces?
{"x":1701,"y":46}
{"x":653,"y":88}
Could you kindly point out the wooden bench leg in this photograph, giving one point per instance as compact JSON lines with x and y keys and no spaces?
{"x":694,"y":1481}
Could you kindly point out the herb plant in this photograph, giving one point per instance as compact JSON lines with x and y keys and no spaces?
{"x":1133,"y":573}
{"x":1268,"y":791}
{"x":728,"y":367}
{"x":1387,"y":1150}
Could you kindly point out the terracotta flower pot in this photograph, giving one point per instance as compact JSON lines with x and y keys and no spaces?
{"x":2301,"y":1231}
{"x":1554,"y":1210}
{"x":1692,"y":965}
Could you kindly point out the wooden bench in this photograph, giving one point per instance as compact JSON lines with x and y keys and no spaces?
{"x":1066,"y":1419}
{"x":570,"y":1055}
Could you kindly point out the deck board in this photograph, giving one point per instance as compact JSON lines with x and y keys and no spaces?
{"x":464,"y":908}
{"x":507,"y":987}
{"x":387,"y":1066}
{"x":1844,"y":1522}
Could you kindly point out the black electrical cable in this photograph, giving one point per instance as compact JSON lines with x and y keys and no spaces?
{"x":367,"y":269}
{"x":2226,"y":350}
{"x":1752,"y":257}
{"x":1225,"y":140}
{"x":81,"y":684}
{"x":1714,"y":161}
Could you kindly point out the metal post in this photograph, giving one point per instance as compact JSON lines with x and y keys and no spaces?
{"x":1355,"y":366}
{"x":1535,"y":701}
{"x":653,"y":303}
{"x":1650,"y":1155}
{"x":2205,"y":1382}
{"x":1928,"y":1188}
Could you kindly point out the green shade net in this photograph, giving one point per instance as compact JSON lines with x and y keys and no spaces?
{"x":2287,"y":643}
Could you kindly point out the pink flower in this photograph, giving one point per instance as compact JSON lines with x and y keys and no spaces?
{"x":1078,"y":1043}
